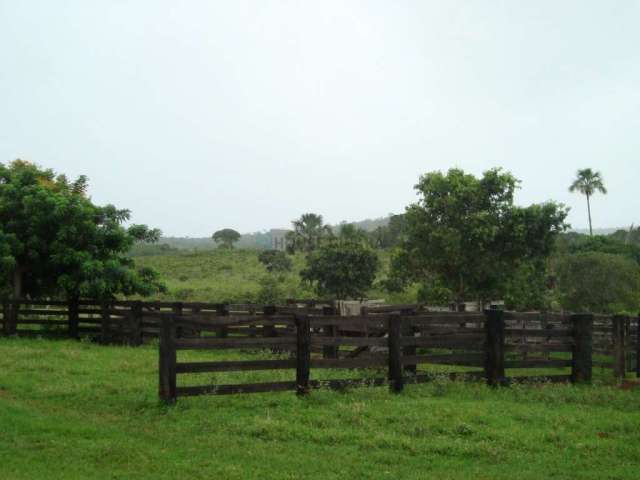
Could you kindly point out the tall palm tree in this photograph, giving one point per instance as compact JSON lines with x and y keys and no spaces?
{"x":307,"y":232}
{"x":588,"y":182}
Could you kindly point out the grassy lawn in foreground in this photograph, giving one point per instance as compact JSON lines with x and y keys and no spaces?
{"x":75,"y":410}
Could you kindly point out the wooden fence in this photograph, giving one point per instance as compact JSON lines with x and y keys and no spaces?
{"x":397,"y":340}
{"x":120,"y":322}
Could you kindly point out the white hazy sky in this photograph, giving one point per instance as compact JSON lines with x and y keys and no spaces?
{"x":199,"y":115}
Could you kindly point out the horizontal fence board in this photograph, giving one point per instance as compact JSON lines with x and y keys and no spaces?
{"x":522,"y":332}
{"x":234,"y":366}
{"x":35,"y":311}
{"x":40,"y":321}
{"x":448,"y":318}
{"x":449,"y":341}
{"x":465,"y":359}
{"x":358,"y":362}
{"x":537,"y":363}
{"x":351,"y":341}
{"x":452,"y":330}
{"x":239,"y":342}
{"x":527,"y":348}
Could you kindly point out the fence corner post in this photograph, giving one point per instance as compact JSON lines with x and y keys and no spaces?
{"x":395,"y":353}
{"x":167,"y":359}
{"x":494,"y":347}
{"x":303,"y":354}
{"x":72,"y":311}
{"x":582,"y":357}
{"x":619,"y":344}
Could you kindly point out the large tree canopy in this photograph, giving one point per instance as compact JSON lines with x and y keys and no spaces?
{"x":341,"y":268}
{"x":226,"y":237}
{"x":598,"y":282}
{"x":466,"y":237}
{"x":54,"y":241}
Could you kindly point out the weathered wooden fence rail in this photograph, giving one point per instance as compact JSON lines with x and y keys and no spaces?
{"x":397,"y":341}
{"x":123,"y":322}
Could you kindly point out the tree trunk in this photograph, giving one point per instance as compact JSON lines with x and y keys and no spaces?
{"x":17,"y":282}
{"x":589,"y":212}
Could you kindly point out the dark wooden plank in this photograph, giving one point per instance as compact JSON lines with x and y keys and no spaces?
{"x":303,"y":354}
{"x":494,"y":347}
{"x":447,"y":318}
{"x":395,"y":353}
{"x":232,"y":342}
{"x":465,"y":359}
{"x":32,"y":311}
{"x":448,"y":341}
{"x":40,"y":321}
{"x":548,"y":333}
{"x":581,"y":370}
{"x":372,"y":361}
{"x":537,"y":363}
{"x":235,"y":366}
{"x":167,"y":361}
{"x":352,"y":341}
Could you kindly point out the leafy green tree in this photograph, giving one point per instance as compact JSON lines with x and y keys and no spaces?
{"x":341,"y":269}
{"x":54,"y":241}
{"x":578,"y":243}
{"x":275,"y":261}
{"x":598,"y":282}
{"x":308,"y":233}
{"x":351,"y":232}
{"x":388,"y":236}
{"x":588,"y":182}
{"x":226,"y":237}
{"x":466,"y":234}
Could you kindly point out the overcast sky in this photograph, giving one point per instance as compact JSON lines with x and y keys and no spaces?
{"x":211,"y":114}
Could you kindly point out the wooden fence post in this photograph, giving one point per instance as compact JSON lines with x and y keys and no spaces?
{"x":619,"y":344}
{"x":494,"y":347}
{"x":269,"y":330}
{"x":582,"y":360}
{"x":223,"y":311}
{"x":6,"y":317}
{"x":14,"y":312}
{"x":104,"y":322}
{"x":408,"y":331}
{"x":72,"y":311}
{"x":177,"y":311}
{"x":303,"y":354}
{"x":329,"y":351}
{"x":395,"y":353}
{"x":167,"y":359}
{"x":136,"y":323}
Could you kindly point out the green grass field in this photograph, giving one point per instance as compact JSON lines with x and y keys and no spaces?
{"x":233,"y":276}
{"x":75,"y":410}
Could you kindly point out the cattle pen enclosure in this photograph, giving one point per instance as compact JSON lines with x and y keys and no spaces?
{"x":307,"y":344}
{"x":389,"y":345}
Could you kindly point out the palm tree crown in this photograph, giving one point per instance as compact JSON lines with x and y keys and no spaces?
{"x":588,"y":182}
